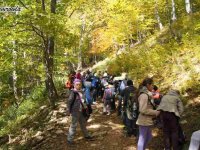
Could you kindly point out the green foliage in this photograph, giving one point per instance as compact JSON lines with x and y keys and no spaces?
{"x":192,"y":85}
{"x":100,"y":28}
{"x":13,"y":117}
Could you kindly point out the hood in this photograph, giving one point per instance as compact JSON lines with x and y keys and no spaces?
{"x":173,"y":92}
{"x":145,"y":90}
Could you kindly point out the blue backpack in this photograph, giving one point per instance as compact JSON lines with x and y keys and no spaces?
{"x":94,"y":82}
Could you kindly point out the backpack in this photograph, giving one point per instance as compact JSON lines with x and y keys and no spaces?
{"x":94,"y":82}
{"x":108,"y":94}
{"x":132,"y":105}
{"x":122,"y":86}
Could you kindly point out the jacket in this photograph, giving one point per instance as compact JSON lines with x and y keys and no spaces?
{"x":76,"y":106}
{"x":171,"y":102}
{"x":147,"y":113}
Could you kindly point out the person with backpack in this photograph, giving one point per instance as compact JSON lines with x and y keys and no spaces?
{"x":146,"y":114}
{"x":95,"y":86}
{"x":131,"y":109}
{"x":122,"y":87}
{"x":88,"y":86}
{"x":107,"y":98}
{"x":171,"y":108}
{"x":75,"y":105}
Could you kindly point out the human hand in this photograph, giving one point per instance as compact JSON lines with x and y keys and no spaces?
{"x":157,"y":113}
{"x":67,"y":113}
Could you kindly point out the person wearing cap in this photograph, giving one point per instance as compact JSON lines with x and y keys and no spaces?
{"x":75,"y":105}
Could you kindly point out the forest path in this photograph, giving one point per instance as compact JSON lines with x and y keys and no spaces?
{"x":107,"y":132}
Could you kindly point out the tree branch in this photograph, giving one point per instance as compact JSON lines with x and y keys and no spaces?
{"x":23,"y":4}
{"x":72,"y":13}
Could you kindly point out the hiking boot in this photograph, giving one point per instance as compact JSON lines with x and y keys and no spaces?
{"x":108,"y":114}
{"x":127,"y":135}
{"x":70,"y":142}
{"x":89,"y":138}
{"x":94,"y":103}
{"x":104,"y":113}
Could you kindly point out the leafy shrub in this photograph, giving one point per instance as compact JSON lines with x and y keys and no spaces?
{"x":13,"y":117}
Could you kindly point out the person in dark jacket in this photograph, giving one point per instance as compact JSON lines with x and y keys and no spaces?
{"x":75,"y":105}
{"x":130,"y":99}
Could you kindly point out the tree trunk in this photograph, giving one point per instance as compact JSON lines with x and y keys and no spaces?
{"x":48,"y":60}
{"x":158,"y":17}
{"x":188,"y":6}
{"x":43,"y":5}
{"x":14,"y":75}
{"x":49,"y":63}
{"x":169,"y":17}
{"x":80,"y":65}
{"x":173,"y":11}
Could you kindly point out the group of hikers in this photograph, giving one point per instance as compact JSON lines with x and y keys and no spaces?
{"x":139,"y":108}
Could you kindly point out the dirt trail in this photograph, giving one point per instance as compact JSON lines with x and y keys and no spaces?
{"x":107,"y":132}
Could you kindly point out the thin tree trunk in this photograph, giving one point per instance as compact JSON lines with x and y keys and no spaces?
{"x":188,"y":6}
{"x":22,"y":91}
{"x":173,"y":11}
{"x":80,"y":65}
{"x":158,"y":17}
{"x":14,"y":74}
{"x":169,"y":17}
{"x":43,"y":5}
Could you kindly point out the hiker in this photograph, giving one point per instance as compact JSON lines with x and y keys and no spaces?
{"x":78,"y":75}
{"x":195,"y":141}
{"x":70,"y":80}
{"x":107,"y":98}
{"x":146,"y":114}
{"x":95,"y":87}
{"x":88,"y":85}
{"x":112,"y":104}
{"x":122,"y":86}
{"x":156,"y":95}
{"x":75,"y":106}
{"x":105,"y":74}
{"x":171,"y":108}
{"x":130,"y":106}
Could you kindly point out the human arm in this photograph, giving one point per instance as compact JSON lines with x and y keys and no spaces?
{"x":180,"y":106}
{"x":144,"y":108}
